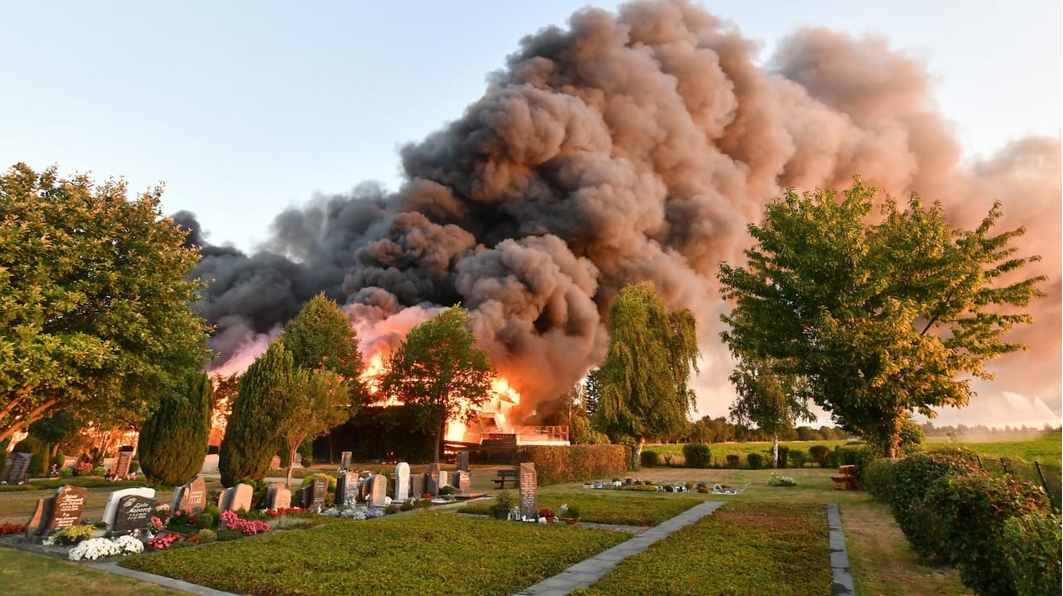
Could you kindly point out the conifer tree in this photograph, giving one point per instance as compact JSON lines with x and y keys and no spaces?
{"x":174,"y":437}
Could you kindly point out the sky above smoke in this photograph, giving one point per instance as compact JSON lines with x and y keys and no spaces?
{"x":624,"y":147}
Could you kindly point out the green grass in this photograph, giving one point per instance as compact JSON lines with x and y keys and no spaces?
{"x":1046,"y":448}
{"x":741,"y":549}
{"x":28,"y":574}
{"x":619,"y":507}
{"x":400,"y":554}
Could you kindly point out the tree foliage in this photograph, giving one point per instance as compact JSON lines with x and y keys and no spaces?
{"x":251,"y":436}
{"x":325,"y":390}
{"x":173,"y":439}
{"x":881,"y":318}
{"x":439,"y":371}
{"x":94,"y":299}
{"x":772,"y":401}
{"x":642,"y":385}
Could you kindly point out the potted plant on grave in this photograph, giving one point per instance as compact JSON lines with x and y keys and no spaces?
{"x":505,"y":502}
{"x":570,"y":513}
{"x":548,"y":513}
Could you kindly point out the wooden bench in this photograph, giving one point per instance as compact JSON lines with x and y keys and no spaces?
{"x":513,"y":476}
{"x":846,"y":478}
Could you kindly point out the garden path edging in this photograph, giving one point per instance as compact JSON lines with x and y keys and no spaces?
{"x":839,"y":558}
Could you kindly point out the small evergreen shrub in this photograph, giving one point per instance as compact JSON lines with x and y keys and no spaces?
{"x":650,"y":459}
{"x":204,"y":521}
{"x":972,"y":512}
{"x":818,"y":453}
{"x":734,"y":460}
{"x":213,"y":511}
{"x":755,"y":461}
{"x":798,"y":458}
{"x":1032,"y":549}
{"x":697,"y":455}
{"x":206,"y":536}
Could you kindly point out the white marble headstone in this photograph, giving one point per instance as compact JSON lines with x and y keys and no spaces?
{"x":402,"y":481}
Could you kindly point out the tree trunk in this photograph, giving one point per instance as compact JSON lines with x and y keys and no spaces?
{"x":291,"y":464}
{"x":775,"y":451}
{"x":636,"y":453}
{"x":439,"y":443}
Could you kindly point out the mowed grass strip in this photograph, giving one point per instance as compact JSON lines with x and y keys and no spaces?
{"x":401,"y":554}
{"x":741,"y":549}
{"x":618,"y":507}
{"x":30,"y":574}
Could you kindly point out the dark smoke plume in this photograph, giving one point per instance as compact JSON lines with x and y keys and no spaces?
{"x":624,"y":148}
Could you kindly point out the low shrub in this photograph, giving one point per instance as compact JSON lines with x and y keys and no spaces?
{"x":697,"y":455}
{"x":391,"y":509}
{"x":1032,"y":549}
{"x":567,"y":463}
{"x":206,"y":536}
{"x":911,"y":478}
{"x":734,"y":460}
{"x":213,"y":511}
{"x":73,"y":534}
{"x":204,"y":521}
{"x":784,"y":455}
{"x":406,"y":506}
{"x":818,"y":453}
{"x":650,"y":459}
{"x":878,"y":479}
{"x":798,"y":458}
{"x":858,"y":455}
{"x":755,"y":461}
{"x":972,"y":511}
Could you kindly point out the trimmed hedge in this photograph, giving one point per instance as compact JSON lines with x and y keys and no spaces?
{"x":569,"y":463}
{"x":697,"y":455}
{"x":755,"y":461}
{"x":972,"y":511}
{"x":1032,"y":548}
{"x":650,"y":459}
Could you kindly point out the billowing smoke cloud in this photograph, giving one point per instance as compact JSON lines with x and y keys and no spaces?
{"x":624,"y":148}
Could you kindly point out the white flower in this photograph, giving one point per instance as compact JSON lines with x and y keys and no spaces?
{"x":129,"y":545}
{"x":94,"y":548}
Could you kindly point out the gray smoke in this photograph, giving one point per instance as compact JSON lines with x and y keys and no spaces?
{"x":624,"y":148}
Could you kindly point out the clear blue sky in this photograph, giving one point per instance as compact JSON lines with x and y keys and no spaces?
{"x":243,"y":108}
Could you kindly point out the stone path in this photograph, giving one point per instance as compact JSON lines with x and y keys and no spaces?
{"x":839,"y":559}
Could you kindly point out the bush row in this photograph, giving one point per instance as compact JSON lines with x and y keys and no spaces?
{"x":1000,"y":532}
{"x":698,"y":455}
{"x":567,"y":463}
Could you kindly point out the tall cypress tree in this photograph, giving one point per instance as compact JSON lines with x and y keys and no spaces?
{"x":251,"y":437}
{"x":174,"y":437}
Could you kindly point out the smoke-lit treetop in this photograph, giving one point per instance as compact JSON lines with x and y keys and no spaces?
{"x":625,"y":148}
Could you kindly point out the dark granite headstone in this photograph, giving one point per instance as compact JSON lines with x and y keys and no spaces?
{"x":462,"y":481}
{"x":529,"y":489}
{"x":15,"y":467}
{"x":463,"y":461}
{"x":192,"y":495}
{"x":346,"y":488}
{"x":345,"y":461}
{"x":431,"y":481}
{"x":134,"y":513}
{"x":313,"y":496}
{"x":121,"y":464}
{"x":40,"y":517}
{"x":68,"y":506}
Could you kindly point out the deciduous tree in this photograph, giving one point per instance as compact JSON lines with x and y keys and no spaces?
{"x":643,"y":388}
{"x":321,"y":337}
{"x":439,"y":371}
{"x":881,"y":317}
{"x":94,"y":299}
{"x":772,"y":401}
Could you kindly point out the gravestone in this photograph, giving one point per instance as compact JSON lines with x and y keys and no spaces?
{"x":133,"y":514}
{"x":345,"y":461}
{"x":241,"y":498}
{"x":463,"y":461}
{"x":313,"y":496}
{"x":278,"y":496}
{"x":462,"y":481}
{"x":275,"y":463}
{"x":40,"y":517}
{"x":378,"y":490}
{"x":190,"y":496}
{"x":402,"y":481}
{"x":121,"y":463}
{"x":442,"y":479}
{"x":115,"y":497}
{"x":15,"y":467}
{"x":67,"y":507}
{"x":347,"y":489}
{"x":529,"y":488}
{"x":431,"y":482}
{"x":417,"y":485}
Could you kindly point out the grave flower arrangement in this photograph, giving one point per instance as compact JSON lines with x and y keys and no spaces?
{"x":776,"y":480}
{"x":284,"y":511}
{"x":9,"y":528}
{"x":163,"y":541}
{"x":231,"y":521}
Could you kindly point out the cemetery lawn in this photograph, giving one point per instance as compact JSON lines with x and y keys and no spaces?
{"x":28,"y":574}
{"x":413,"y":553}
{"x":742,"y":548}
{"x":617,"y":507}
